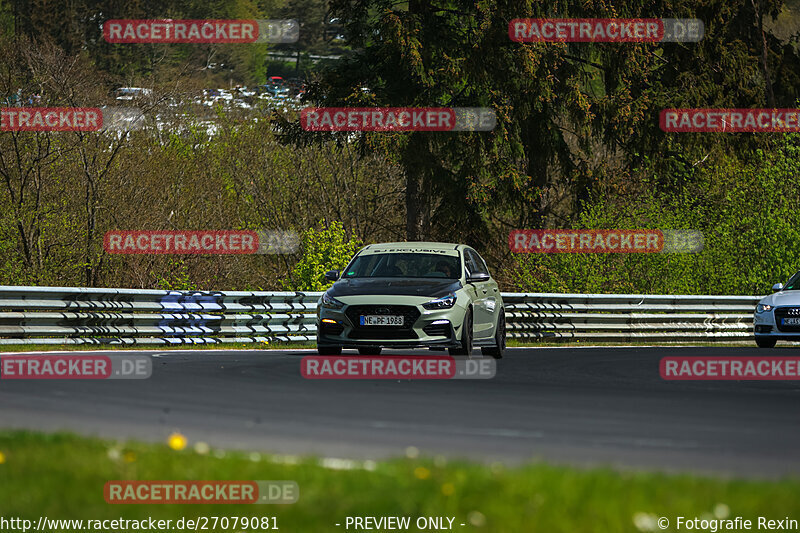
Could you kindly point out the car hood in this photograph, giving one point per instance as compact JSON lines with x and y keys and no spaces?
{"x":433,"y":288}
{"x":783,"y":298}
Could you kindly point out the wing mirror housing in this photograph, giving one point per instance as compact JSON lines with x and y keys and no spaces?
{"x":478,"y":277}
{"x":777,"y":287}
{"x":332,"y":275}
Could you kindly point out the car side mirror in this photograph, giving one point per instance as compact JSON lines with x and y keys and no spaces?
{"x":478,"y":277}
{"x":332,"y":275}
{"x":777,"y":287}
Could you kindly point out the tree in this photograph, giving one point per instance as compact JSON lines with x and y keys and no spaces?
{"x":572,"y":117}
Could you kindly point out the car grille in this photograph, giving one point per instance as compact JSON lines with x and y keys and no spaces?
{"x":409,"y":312}
{"x":786,"y":312}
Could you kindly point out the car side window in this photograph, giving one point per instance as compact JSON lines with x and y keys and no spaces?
{"x":790,"y":284}
{"x":481,"y":263}
{"x":476,"y":264}
{"x":469,"y":265}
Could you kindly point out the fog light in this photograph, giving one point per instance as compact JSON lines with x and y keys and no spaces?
{"x":438,"y":328}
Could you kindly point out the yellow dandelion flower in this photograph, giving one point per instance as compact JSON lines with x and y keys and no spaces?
{"x":129,"y":457}
{"x":2,"y":458}
{"x":176,"y":441}
{"x":448,"y":489}
{"x":422,"y":473}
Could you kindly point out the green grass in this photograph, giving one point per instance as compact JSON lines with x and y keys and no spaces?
{"x":62,"y":476}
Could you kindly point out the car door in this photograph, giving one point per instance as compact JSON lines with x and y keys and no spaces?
{"x":483,"y":316}
{"x":492,"y":301}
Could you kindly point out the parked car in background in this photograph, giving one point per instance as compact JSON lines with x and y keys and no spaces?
{"x":132,"y":93}
{"x":275,"y":91}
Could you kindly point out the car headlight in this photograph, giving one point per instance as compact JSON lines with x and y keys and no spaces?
{"x":330,"y":302}
{"x":446,"y":302}
{"x":763,"y":308}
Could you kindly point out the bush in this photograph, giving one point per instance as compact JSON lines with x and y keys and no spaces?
{"x":325,"y":249}
{"x":748,"y":211}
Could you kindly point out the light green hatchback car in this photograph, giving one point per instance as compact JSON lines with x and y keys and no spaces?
{"x":409,"y":295}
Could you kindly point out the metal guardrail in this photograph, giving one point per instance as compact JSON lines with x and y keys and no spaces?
{"x":629,"y":317}
{"x":63,"y":315}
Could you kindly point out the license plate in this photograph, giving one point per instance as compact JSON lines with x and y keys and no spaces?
{"x":381,"y":320}
{"x":794,"y":321}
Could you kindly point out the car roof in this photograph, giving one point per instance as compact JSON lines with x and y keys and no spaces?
{"x":444,"y":248}
{"x":413,"y":246}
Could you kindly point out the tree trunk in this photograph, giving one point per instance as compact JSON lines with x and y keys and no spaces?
{"x":770,"y":94}
{"x":414,"y":165}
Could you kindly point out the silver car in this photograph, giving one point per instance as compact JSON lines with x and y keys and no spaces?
{"x":412,"y":294}
{"x":777,"y":316}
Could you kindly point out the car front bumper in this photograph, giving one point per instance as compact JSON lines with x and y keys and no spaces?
{"x":768,"y":325}
{"x":440,"y":328}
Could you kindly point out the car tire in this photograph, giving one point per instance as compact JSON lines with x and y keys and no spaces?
{"x":329,"y":350}
{"x":370,"y":350}
{"x":766,"y":343}
{"x":466,"y":337}
{"x":499,"y":347}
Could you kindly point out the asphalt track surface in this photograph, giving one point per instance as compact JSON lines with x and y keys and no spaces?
{"x":579,"y":406}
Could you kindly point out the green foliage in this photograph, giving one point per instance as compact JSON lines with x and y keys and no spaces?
{"x":174,"y":276}
{"x":577,"y":144}
{"x":328,"y":248}
{"x":569,"y":115}
{"x":748,"y":211}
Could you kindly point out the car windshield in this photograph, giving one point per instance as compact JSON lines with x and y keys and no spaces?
{"x":794,"y":283}
{"x":404,"y":265}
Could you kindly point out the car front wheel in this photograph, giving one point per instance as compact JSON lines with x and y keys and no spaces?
{"x":329,"y":350}
{"x":765,"y":343}
{"x":466,"y":337}
{"x":370,"y":350}
{"x":499,"y":347}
